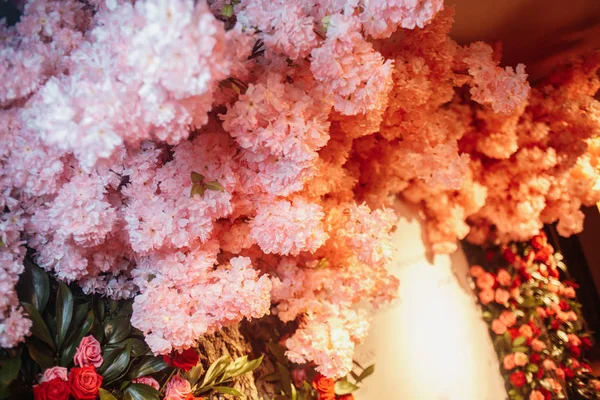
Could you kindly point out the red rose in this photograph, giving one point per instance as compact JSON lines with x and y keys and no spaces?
{"x":554,"y":272}
{"x":525,"y":276}
{"x":540,"y":374}
{"x":346,"y":397}
{"x":572,"y":284}
{"x":85,"y":383}
{"x":514,"y":333}
{"x":586,"y":343}
{"x":575,"y":350}
{"x":564,"y":306}
{"x":509,"y":256}
{"x":543,"y":254}
{"x":555,"y":325}
{"x":325,"y":387}
{"x":547,"y":394}
{"x":55,"y":389}
{"x":569,"y":374}
{"x":185,"y":360}
{"x":535,"y":358}
{"x":489,"y":255}
{"x":518,"y":379}
{"x":539,"y":241}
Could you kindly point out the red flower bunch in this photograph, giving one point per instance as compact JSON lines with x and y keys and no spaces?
{"x":185,"y":360}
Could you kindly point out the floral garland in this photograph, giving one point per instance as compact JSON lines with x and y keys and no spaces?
{"x":535,"y":321}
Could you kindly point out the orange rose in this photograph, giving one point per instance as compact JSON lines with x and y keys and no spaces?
{"x":325,"y":387}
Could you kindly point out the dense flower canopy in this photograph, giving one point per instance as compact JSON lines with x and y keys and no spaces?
{"x":227,"y":160}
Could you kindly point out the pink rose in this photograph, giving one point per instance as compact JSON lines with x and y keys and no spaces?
{"x":574,"y":339}
{"x":515,"y":293}
{"x":569,"y":293}
{"x":498,"y":327}
{"x":509,"y":362}
{"x":486,"y":296}
{"x":508,"y":318}
{"x":536,"y":395}
{"x":549,"y":365}
{"x":147,"y":380}
{"x":177,"y":388}
{"x":571,"y":316}
{"x":541,"y":312}
{"x":504,"y":277}
{"x":525,"y":330}
{"x":560,"y":374}
{"x":502,"y":296}
{"x":89,"y":352}
{"x":55,"y":372}
{"x":486,"y":281}
{"x":521,"y":359}
{"x":553,"y":288}
{"x":476,"y":271}
{"x":537,"y":345}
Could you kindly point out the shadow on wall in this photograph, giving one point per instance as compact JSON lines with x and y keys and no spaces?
{"x":538,"y":33}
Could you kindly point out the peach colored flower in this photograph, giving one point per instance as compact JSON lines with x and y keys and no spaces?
{"x":89,"y":352}
{"x":537,"y":345}
{"x":498,"y":327}
{"x":569,"y":292}
{"x":560,"y":374}
{"x":476,"y":271}
{"x":549,"y":365}
{"x":553,"y":288}
{"x":55,"y":372}
{"x":575,"y":364}
{"x":504,"y":277}
{"x":502,"y":296}
{"x":574,"y":339}
{"x":571,"y":316}
{"x":509,"y":361}
{"x":525,"y":330}
{"x":521,"y":359}
{"x":515,"y":293}
{"x":486,"y":296}
{"x":147,"y":380}
{"x":486,"y":281}
{"x":177,"y":388}
{"x":596,"y":384}
{"x":541,"y":312}
{"x":536,"y":395}
{"x":508,"y":318}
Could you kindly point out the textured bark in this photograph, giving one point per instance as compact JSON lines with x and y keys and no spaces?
{"x":229,"y":341}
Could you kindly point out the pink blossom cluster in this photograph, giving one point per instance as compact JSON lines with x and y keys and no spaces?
{"x":224,"y":170}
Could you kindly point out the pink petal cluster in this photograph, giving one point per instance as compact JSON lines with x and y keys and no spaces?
{"x":89,"y":352}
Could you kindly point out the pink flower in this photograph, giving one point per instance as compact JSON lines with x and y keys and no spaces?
{"x":147,"y":380}
{"x":508,"y":318}
{"x":476,"y":271}
{"x":541,"y":312}
{"x":498,"y":327}
{"x":521,"y":359}
{"x":560,"y":374}
{"x":525,"y":330}
{"x":485,"y":281}
{"x":177,"y":388}
{"x":574,"y":339}
{"x":537,"y":345}
{"x":88,"y":352}
{"x":536,"y":395}
{"x":486,"y":296}
{"x":549,"y":365}
{"x":509,"y":361}
{"x":504,"y":277}
{"x":571,"y":316}
{"x":55,"y":372}
{"x":502,"y":296}
{"x":569,"y":293}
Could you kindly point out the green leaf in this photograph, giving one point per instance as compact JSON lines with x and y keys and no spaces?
{"x":521,"y":349}
{"x":519,"y":341}
{"x":10,"y":370}
{"x":64,"y":312}
{"x":366,"y":373}
{"x":106,"y":395}
{"x":117,"y":329}
{"x":227,"y":11}
{"x":278,"y":351}
{"x":196,"y":177}
{"x":240,"y":366}
{"x":193,"y":374}
{"x":99,"y":308}
{"x":285,"y":379}
{"x":35,"y":286}
{"x":78,"y":316}
{"x":507,"y":340}
{"x":40,"y":353}
{"x":139,"y":391}
{"x":149,"y":366}
{"x":214,"y":185}
{"x":114,"y":366}
{"x":344,"y":387}
{"x":197,"y":189}
{"x":138,"y":347}
{"x":216,"y":369}
{"x":39,"y":328}
{"x":532,"y":368}
{"x":227,"y":390}
{"x":69,"y":351}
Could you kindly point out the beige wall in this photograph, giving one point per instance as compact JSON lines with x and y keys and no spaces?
{"x":432,"y":344}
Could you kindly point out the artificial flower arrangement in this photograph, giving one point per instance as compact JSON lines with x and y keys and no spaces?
{"x":535,"y":321}
{"x":83,"y":347}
